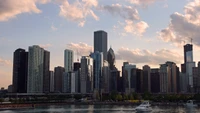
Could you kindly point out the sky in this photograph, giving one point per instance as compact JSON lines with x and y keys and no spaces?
{"x":139,"y":31}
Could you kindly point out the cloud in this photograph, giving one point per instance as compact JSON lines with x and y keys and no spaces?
{"x":145,"y":56}
{"x":6,"y":78}
{"x":83,"y":49}
{"x":183,"y":27}
{"x":142,"y":2}
{"x":45,"y":45}
{"x":53,"y":28}
{"x":11,"y":8}
{"x":135,"y":28}
{"x":78,"y":11}
{"x":4,"y":62}
{"x":126,"y":12}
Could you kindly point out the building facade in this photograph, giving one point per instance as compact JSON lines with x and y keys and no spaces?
{"x":68,"y":60}
{"x":97,"y":69}
{"x":155,"y":80}
{"x":146,"y":78}
{"x":58,"y":80}
{"x":51,"y":73}
{"x":35,"y":69}
{"x":100,"y":43}
{"x":46,"y":76}
{"x":86,"y":77}
{"x":20,"y":71}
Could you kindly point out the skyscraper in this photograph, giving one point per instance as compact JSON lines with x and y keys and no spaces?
{"x":155,"y":81}
{"x":58,"y":80}
{"x":51,"y":81}
{"x":100,"y":43}
{"x":35,"y":69}
{"x":106,"y":77}
{"x":86,"y":75}
{"x":20,"y":71}
{"x":146,"y":78}
{"x":46,"y":74}
{"x":97,"y":69}
{"x":111,"y":58}
{"x":77,"y":72}
{"x":129,"y":77}
{"x":68,"y":60}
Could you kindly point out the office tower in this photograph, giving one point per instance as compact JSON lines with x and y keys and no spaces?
{"x":155,"y":80}
{"x":188,"y":65}
{"x":106,"y":77}
{"x":182,"y":79}
{"x":77,"y":71}
{"x":111,"y":58}
{"x":146,"y":78}
{"x":129,"y":77}
{"x":68,"y":60}
{"x":69,"y":82}
{"x":100,"y":43}
{"x":20,"y":71}
{"x":195,"y":78}
{"x":97,"y":69}
{"x":10,"y":88}
{"x":35,"y":69}
{"x":139,"y":81}
{"x":51,"y":73}
{"x":86,"y":75}
{"x":168,"y":77}
{"x":46,"y":74}
{"x":58,"y":80}
{"x":114,"y":80}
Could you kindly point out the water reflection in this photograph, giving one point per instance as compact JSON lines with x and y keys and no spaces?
{"x":102,"y":109}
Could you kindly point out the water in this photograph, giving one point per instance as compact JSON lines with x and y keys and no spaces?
{"x":101,"y":109}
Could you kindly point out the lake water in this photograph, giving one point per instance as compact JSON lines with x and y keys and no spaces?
{"x":101,"y":109}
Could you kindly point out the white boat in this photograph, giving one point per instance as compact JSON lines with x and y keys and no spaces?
{"x":190,"y":103}
{"x":144,"y":107}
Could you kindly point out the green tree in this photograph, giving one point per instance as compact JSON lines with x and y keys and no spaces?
{"x":119,"y":97}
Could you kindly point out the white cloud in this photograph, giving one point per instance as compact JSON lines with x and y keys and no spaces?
{"x":142,"y":2}
{"x":4,"y":62}
{"x":82,"y":48}
{"x":11,"y":8}
{"x":53,"y":28}
{"x":45,"y":45}
{"x":78,"y":11}
{"x":135,"y":28}
{"x":126,"y":12}
{"x":145,"y":56}
{"x":183,"y":27}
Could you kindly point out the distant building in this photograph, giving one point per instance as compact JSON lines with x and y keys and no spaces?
{"x":46,"y":74}
{"x":69,"y":82}
{"x":155,"y":80}
{"x":10,"y":88}
{"x":97,"y":69}
{"x":129,"y":77}
{"x":114,"y":80}
{"x":139,"y":81}
{"x":111,"y":58}
{"x":51,"y":73}
{"x":20,"y":71}
{"x":106,"y":77}
{"x":86,"y":75}
{"x":168,"y":77}
{"x":68,"y":60}
{"x":77,"y":71}
{"x":146,"y":78}
{"x":58,"y":80}
{"x":100,"y":43}
{"x":35,"y":69}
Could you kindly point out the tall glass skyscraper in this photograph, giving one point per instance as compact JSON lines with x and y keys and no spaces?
{"x":35,"y":69}
{"x":100,"y":43}
{"x":97,"y":66}
{"x":68,"y":60}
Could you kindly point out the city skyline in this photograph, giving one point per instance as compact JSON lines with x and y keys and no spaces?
{"x":21,"y":29}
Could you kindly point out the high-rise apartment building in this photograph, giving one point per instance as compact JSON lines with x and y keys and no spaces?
{"x":68,"y":60}
{"x":155,"y":80}
{"x":105,"y":77}
{"x":86,"y":75}
{"x":77,"y":71}
{"x":35,"y":69}
{"x":97,"y":69}
{"x":146,"y":78}
{"x":46,"y":74}
{"x":51,"y":73}
{"x":58,"y":80}
{"x":100,"y":43}
{"x":129,"y":77}
{"x":20,"y":71}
